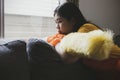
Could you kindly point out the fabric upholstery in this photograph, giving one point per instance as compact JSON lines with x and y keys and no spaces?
{"x":13,"y":61}
{"x":46,"y":64}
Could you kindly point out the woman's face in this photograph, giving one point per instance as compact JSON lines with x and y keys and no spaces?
{"x":63,"y":25}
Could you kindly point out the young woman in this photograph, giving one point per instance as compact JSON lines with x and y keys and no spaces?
{"x":46,"y":61}
{"x":68,"y":18}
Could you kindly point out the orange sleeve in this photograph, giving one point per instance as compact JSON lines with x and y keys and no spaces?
{"x":55,"y":39}
{"x":50,"y":38}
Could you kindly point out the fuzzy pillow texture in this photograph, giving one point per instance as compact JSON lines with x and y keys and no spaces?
{"x":95,"y":44}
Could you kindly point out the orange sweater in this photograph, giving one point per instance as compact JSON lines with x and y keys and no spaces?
{"x":55,"y":39}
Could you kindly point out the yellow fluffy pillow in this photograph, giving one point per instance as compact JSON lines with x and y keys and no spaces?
{"x":94,"y":44}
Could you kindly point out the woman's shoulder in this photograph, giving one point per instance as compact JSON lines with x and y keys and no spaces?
{"x":88,"y":27}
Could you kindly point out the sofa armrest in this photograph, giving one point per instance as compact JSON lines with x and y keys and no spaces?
{"x":13,"y":60}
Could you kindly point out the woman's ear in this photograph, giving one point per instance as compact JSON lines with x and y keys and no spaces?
{"x":73,"y":21}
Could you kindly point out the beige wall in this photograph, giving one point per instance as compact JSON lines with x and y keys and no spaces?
{"x":104,"y":13}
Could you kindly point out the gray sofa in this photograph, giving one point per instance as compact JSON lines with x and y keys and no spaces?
{"x":13,"y":60}
{"x":37,"y":60}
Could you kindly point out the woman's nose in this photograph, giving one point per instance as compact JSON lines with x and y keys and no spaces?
{"x":57,"y":26}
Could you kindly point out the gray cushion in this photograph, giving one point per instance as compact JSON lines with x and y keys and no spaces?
{"x":13,"y":61}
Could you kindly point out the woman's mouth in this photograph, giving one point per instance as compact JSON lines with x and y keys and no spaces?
{"x":59,"y":31}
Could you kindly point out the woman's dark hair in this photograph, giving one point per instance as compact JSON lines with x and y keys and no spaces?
{"x":70,"y":11}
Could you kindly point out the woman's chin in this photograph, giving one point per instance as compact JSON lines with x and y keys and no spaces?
{"x":59,"y":31}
